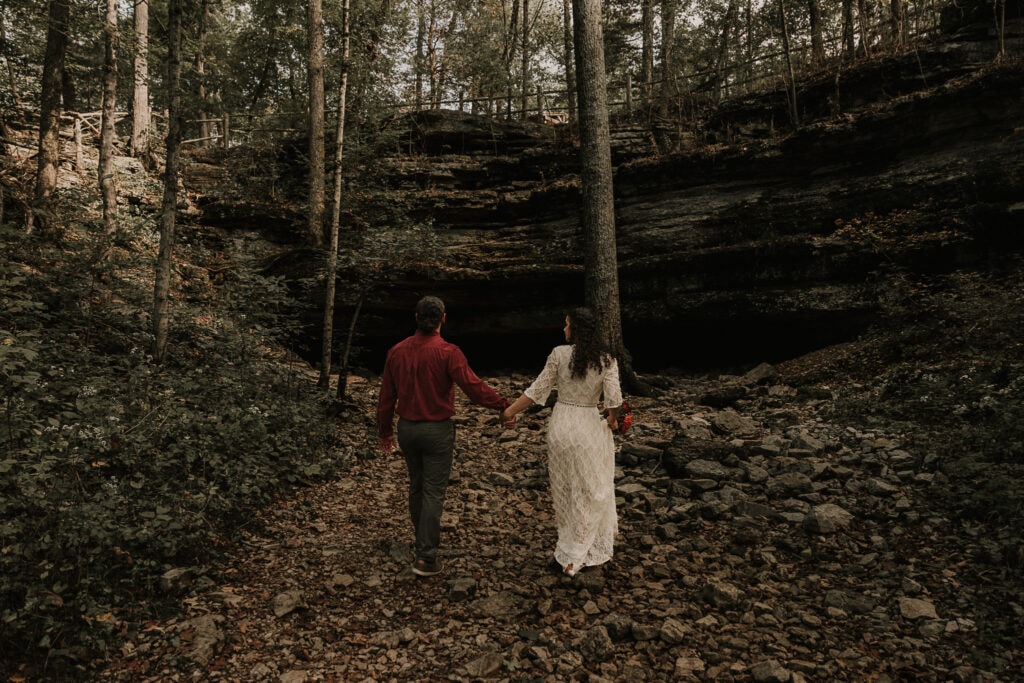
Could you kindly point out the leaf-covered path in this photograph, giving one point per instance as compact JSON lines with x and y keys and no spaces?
{"x":758,"y":541}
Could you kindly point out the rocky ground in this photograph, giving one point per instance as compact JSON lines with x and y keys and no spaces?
{"x":853,"y":514}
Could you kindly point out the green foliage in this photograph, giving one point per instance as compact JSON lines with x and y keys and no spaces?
{"x":114,"y":469}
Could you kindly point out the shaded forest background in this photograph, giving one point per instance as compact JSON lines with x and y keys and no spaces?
{"x":121,"y":465}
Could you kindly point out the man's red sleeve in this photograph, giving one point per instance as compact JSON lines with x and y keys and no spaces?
{"x":386,"y":402}
{"x":476,"y":389}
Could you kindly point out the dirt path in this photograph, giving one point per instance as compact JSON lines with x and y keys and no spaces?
{"x":721,"y":570}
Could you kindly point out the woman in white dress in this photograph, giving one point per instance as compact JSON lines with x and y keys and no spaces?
{"x":581,"y":451}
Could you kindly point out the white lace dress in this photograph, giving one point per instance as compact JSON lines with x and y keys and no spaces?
{"x":581,"y":459}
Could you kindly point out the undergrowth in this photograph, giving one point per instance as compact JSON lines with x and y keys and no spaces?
{"x":114,"y":469}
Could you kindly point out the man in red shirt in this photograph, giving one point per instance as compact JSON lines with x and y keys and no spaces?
{"x":420,"y":374}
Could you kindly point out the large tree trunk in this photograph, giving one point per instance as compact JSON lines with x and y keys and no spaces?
{"x":140,"y":89}
{"x":162,"y":289}
{"x":107,"y":179}
{"x":315,"y":29}
{"x":600,"y":259}
{"x":50,"y":110}
{"x":332,"y":250}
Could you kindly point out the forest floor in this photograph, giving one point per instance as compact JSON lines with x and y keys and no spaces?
{"x":852,"y":514}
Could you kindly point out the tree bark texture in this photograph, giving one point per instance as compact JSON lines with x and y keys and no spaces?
{"x":647,"y":48}
{"x":600,"y":261}
{"x":570,"y":63}
{"x":332,"y":249}
{"x":315,"y":28}
{"x":107,"y":179}
{"x":162,"y":289}
{"x":205,"y":128}
{"x":140,"y":88}
{"x":817,"y":42}
{"x":50,"y":106}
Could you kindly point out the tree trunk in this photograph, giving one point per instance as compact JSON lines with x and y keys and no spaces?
{"x":107,"y":179}
{"x":570,"y":63}
{"x":162,"y":289}
{"x":897,"y":23}
{"x":332,"y":250}
{"x":817,"y":43}
{"x":722,"y":61}
{"x":647,"y":48}
{"x":419,"y":59}
{"x":315,"y":29}
{"x":50,"y":109}
{"x":15,"y":96}
{"x":849,"y":41}
{"x":863,"y":22}
{"x":511,"y":38}
{"x":667,"y":92}
{"x":600,"y":260}
{"x":525,"y":75}
{"x":205,"y":128}
{"x":347,"y":349}
{"x":794,"y":117}
{"x":140,"y":89}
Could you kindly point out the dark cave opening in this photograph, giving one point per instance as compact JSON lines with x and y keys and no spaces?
{"x":693,"y":345}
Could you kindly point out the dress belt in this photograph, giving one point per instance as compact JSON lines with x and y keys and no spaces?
{"x":578,"y":405}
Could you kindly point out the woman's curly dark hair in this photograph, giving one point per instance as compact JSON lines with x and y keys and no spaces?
{"x":588,"y":350}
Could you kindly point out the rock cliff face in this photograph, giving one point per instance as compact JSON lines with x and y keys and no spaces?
{"x":752,"y":243}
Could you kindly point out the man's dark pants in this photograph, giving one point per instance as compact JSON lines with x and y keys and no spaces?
{"x":428,"y":448}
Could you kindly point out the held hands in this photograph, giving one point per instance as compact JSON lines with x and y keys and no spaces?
{"x":613,"y":421}
{"x":387,"y":445}
{"x":508,"y":419}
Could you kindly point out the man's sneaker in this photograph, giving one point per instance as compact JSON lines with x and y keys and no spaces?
{"x":423,"y":567}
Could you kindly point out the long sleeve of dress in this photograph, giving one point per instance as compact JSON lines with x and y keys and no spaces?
{"x":612,"y":390}
{"x":546,"y":381}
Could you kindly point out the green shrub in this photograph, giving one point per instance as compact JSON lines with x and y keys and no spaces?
{"x":114,"y":469}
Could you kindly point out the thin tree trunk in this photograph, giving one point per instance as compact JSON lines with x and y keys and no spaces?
{"x":140,"y":90}
{"x":1000,"y":10}
{"x":509,"y":52}
{"x":107,"y":179}
{"x":205,"y":128}
{"x":525,"y":75}
{"x":863,"y":22}
{"x":897,"y":23}
{"x":332,"y":250}
{"x":600,"y":260}
{"x":419,"y":60}
{"x":347,"y":349}
{"x":50,"y":109}
{"x":667,"y":91}
{"x":570,"y":63}
{"x":794,"y":117}
{"x":15,"y":96}
{"x":647,"y":48}
{"x":315,"y":229}
{"x":817,"y":43}
{"x":722,"y":62}
{"x":849,"y":40}
{"x":161,"y":291}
